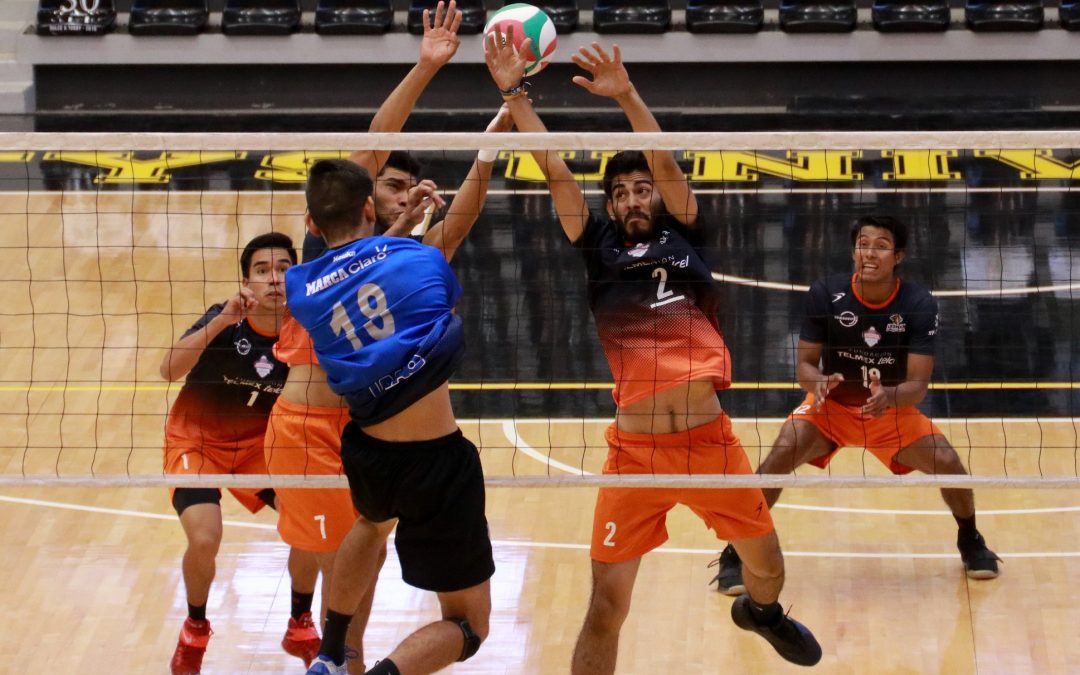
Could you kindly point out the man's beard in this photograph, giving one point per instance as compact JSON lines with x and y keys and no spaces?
{"x":640,"y":233}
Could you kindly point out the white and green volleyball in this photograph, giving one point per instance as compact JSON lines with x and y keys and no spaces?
{"x":528,"y":22}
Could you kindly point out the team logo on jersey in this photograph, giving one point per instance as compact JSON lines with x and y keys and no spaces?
{"x":639,"y":250}
{"x":837,"y":297}
{"x":871,"y":336}
{"x":264,"y":366}
{"x":243,"y":346}
{"x":847,"y":319}
{"x":896,"y":324}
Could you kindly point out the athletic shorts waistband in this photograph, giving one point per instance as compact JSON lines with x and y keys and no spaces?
{"x":291,"y":408}
{"x":700,"y":434}
{"x":371,"y":443}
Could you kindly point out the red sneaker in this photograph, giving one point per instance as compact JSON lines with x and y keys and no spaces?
{"x":302,"y":639}
{"x":194,"y":636}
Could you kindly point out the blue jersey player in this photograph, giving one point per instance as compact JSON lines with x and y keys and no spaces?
{"x":380,"y":314}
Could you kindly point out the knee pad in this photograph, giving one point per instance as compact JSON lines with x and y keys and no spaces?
{"x":185,"y":497}
{"x":268,"y":496}
{"x":472,"y":640}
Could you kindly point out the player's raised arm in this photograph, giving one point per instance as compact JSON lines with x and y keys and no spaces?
{"x":507,"y":67}
{"x":610,"y":79}
{"x":438,"y":46}
{"x":447,"y":234}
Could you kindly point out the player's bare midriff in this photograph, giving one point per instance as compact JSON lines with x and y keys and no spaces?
{"x":676,"y":409}
{"x":306,"y":385}
{"x":429,"y":418}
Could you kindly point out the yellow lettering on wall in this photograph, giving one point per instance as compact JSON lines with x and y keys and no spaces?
{"x":521,"y":165}
{"x":920,"y":165}
{"x":737,"y":165}
{"x":17,"y":157}
{"x":124,"y":167}
{"x":1035,"y":164}
{"x":292,"y":167}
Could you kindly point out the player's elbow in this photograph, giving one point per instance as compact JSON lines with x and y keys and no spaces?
{"x":166,"y":371}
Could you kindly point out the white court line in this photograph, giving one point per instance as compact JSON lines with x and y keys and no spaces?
{"x":510,"y":430}
{"x":517,"y":543}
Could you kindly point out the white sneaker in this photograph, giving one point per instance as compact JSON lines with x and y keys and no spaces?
{"x":324,"y":665}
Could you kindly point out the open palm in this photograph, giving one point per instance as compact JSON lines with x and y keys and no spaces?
{"x":441,"y":40}
{"x":609,"y":76}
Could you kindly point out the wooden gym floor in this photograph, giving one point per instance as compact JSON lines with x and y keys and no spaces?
{"x":92,"y":578}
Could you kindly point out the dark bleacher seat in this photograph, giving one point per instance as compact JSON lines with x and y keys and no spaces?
{"x":260,"y":17}
{"x":724,"y":16}
{"x":473,"y":16}
{"x":1069,"y":14}
{"x":1004,"y":14}
{"x":895,"y":16}
{"x":563,"y":13}
{"x":817,"y":16}
{"x":353,"y":17}
{"x":631,"y":16}
{"x":168,"y":17}
{"x":75,"y":17}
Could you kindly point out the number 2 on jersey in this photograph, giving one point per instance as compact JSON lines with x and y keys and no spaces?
{"x":371,"y":301}
{"x":661,"y":289}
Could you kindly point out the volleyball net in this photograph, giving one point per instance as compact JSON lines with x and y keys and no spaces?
{"x":112,"y":245}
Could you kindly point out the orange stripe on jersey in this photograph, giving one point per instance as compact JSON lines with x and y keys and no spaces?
{"x":870,"y":305}
{"x":650,"y":352}
{"x":294,"y":346}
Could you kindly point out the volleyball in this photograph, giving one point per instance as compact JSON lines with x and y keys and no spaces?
{"x":528,"y":22}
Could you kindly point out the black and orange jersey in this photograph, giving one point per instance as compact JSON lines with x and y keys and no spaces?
{"x":655,"y":305}
{"x":860,"y":338}
{"x":227,"y":397}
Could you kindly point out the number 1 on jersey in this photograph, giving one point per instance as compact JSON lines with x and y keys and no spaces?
{"x":367,"y":295}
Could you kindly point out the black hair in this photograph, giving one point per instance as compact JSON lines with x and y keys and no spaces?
{"x":402,"y":161}
{"x":337,"y":190}
{"x":268,"y":240}
{"x":621,"y":163}
{"x":897,"y":228}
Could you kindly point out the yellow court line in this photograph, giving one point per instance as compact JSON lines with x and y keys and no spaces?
{"x":542,"y":386}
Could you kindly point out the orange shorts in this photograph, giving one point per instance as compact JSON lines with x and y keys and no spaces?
{"x":189,"y":457}
{"x":306,"y":440}
{"x":883,"y":436}
{"x":630,"y":522}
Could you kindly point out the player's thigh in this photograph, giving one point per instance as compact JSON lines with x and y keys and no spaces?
{"x":931,"y":454}
{"x":472,"y":604}
{"x":628,"y":523}
{"x":800,"y":441}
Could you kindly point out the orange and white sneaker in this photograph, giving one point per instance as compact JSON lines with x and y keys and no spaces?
{"x":302,"y":639}
{"x":194,"y":636}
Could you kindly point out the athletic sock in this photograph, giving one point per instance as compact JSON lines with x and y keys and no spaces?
{"x":333,"y":640}
{"x":301,"y":603}
{"x":967,"y":528}
{"x":196,"y":613}
{"x":384,"y":667}
{"x":765,"y":615}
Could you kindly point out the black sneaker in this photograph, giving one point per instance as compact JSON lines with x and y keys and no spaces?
{"x":728,"y":579}
{"x":979,"y":561}
{"x":789,"y":638}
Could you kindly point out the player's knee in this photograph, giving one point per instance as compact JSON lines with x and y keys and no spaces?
{"x":472,"y":638}
{"x":607,"y":610}
{"x":946,"y":460}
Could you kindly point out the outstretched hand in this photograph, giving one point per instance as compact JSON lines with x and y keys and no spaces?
{"x":441,"y":40}
{"x":506,"y":62}
{"x":609,"y":76}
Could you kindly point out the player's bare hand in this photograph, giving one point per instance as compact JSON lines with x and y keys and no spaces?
{"x":822,"y":388}
{"x":239,"y":305}
{"x":441,"y":40}
{"x":878,"y":402}
{"x":422,"y":197}
{"x":505,"y":61}
{"x":609,"y":76}
{"x":503,"y":120}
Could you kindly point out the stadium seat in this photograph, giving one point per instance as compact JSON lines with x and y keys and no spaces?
{"x":75,"y":17}
{"x":168,"y":17}
{"x":353,"y":17}
{"x":563,"y":13}
{"x":631,"y":16}
{"x":724,"y":16}
{"x":994,"y":15}
{"x":260,"y":17}
{"x":817,"y":16}
{"x":473,"y":16}
{"x":897,"y":16}
{"x":1069,"y":14}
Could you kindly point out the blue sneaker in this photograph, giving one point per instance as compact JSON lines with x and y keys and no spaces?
{"x":789,"y":638}
{"x":324,"y":665}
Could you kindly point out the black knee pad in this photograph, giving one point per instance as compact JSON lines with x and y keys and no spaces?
{"x":472,"y":640}
{"x":268,"y":497}
{"x":185,"y":497}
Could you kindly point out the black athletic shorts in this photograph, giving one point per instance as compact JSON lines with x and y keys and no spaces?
{"x":436,"y":491}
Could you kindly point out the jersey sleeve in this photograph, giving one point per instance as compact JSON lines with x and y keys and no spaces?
{"x":815,"y":327}
{"x":923,"y":326}
{"x":212,"y":312}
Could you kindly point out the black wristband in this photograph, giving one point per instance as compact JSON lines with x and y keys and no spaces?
{"x":513,"y":92}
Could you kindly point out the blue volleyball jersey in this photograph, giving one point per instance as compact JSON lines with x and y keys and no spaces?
{"x":380,"y":314}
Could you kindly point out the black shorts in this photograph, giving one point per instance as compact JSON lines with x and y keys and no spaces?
{"x":436,"y":491}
